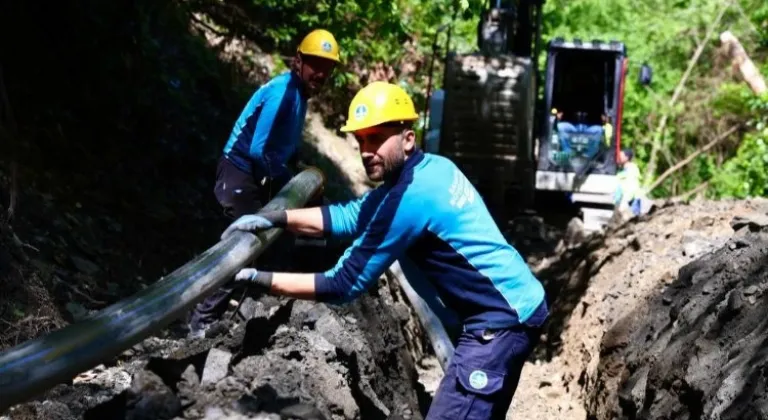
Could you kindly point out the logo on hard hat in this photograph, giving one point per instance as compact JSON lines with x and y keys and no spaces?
{"x":326,"y":46}
{"x":361,"y":111}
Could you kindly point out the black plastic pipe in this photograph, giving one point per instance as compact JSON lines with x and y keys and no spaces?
{"x":37,"y":365}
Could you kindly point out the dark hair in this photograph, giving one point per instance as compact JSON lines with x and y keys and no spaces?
{"x":628,"y":153}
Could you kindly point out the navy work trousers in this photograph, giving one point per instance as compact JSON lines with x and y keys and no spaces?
{"x":239,"y":194}
{"x":483,"y":373}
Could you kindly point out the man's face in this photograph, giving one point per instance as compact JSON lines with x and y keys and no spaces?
{"x":314,"y":71}
{"x":384,"y":150}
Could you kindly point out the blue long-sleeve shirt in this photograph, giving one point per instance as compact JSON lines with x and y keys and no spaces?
{"x":434,"y":217}
{"x":269,"y":128}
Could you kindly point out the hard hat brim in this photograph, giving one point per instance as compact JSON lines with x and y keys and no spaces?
{"x":350,"y":127}
{"x":327,"y":56}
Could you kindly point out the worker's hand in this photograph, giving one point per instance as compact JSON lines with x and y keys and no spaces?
{"x":252,"y":276}
{"x":248,"y":223}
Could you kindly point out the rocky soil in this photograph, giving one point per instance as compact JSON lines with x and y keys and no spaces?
{"x":276,"y":359}
{"x":697,"y":349}
{"x":613,"y":296}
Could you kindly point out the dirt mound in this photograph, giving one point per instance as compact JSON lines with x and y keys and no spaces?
{"x":594,"y":281}
{"x":696,"y":350}
{"x":279,"y":359}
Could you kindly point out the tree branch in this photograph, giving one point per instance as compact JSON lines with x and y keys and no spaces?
{"x":657,"y":138}
{"x":698,"y":189}
{"x":674,"y":168}
{"x":749,"y":72}
{"x":207,"y":26}
{"x":747,"y":20}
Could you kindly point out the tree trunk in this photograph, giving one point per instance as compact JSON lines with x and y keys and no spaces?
{"x":741,"y":60}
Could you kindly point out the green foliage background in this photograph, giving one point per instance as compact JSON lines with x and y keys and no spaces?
{"x":665,"y":35}
{"x":662,"y":33}
{"x":141,"y":60}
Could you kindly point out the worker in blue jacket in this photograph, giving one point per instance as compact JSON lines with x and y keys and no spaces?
{"x":254,"y":165}
{"x":427,"y":211}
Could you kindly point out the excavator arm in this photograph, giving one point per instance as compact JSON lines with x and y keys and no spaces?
{"x":511,"y":27}
{"x":486,"y":109}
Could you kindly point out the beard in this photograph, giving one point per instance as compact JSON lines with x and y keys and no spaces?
{"x":381,"y":168}
{"x":314,"y":85}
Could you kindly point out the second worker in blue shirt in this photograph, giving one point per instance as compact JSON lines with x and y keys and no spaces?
{"x":427,"y":211}
{"x":266,"y":135}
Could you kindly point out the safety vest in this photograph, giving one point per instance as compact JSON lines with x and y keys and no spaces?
{"x":608,"y":132}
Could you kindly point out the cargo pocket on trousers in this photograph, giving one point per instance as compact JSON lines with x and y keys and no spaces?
{"x":483,"y":388}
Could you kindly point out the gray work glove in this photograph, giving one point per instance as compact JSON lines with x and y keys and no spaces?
{"x":252,"y":276}
{"x":256,"y":222}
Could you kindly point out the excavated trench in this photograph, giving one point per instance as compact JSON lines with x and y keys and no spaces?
{"x":697,"y":350}
{"x":661,"y":318}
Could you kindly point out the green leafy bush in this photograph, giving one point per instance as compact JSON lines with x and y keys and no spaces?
{"x":746,"y":173}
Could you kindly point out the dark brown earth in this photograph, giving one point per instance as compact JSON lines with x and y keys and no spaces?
{"x":697,"y":350}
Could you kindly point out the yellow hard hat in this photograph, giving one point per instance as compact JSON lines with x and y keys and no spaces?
{"x":379,"y":103}
{"x":320,"y":43}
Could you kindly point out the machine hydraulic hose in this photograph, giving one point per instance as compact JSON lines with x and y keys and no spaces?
{"x":37,"y":365}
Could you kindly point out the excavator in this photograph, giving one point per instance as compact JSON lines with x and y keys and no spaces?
{"x":519,"y":132}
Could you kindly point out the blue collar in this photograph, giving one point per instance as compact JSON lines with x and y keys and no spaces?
{"x":414,"y":159}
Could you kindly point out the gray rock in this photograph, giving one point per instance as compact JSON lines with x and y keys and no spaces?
{"x":53,"y":410}
{"x":302,"y":411}
{"x":252,"y":309}
{"x":696,"y":248}
{"x":188,"y":384}
{"x":754,"y":221}
{"x":319,"y":343}
{"x":218,"y":413}
{"x":574,"y":232}
{"x":216,"y":366}
{"x":152,"y":399}
{"x":751,"y":290}
{"x":633,"y":393}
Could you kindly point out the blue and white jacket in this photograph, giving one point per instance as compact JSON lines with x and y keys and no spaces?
{"x":433,"y":216}
{"x":269,"y":128}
